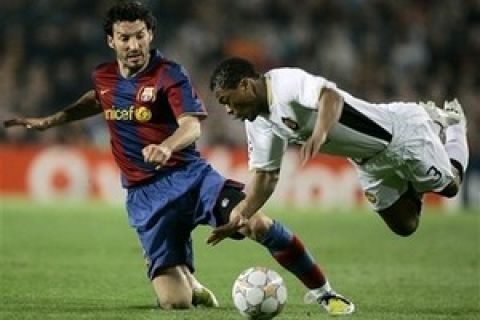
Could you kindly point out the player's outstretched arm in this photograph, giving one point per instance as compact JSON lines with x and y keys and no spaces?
{"x":330,"y":106}
{"x":86,"y":106}
{"x":260,"y":190}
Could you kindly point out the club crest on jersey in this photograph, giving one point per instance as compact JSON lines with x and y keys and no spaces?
{"x":147,"y":94}
{"x":143,"y":114}
{"x":290,"y":123}
{"x":370,"y":197}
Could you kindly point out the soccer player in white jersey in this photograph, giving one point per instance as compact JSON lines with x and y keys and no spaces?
{"x":396,"y":147}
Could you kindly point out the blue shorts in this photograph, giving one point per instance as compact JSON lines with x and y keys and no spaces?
{"x":164,"y":212}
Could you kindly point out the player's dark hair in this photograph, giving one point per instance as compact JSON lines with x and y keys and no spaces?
{"x":229,"y":72}
{"x":128,"y":11}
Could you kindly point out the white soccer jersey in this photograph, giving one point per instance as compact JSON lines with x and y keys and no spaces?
{"x":364,"y":129}
{"x":393,"y":145}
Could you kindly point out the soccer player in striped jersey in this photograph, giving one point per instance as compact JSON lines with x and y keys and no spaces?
{"x":395,"y":147}
{"x":153,"y":115}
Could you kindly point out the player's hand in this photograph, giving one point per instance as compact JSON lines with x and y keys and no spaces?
{"x":312,"y":146}
{"x":30,"y":123}
{"x":156,"y":153}
{"x":237,"y":221}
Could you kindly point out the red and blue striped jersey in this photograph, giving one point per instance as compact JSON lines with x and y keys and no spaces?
{"x":143,"y":110}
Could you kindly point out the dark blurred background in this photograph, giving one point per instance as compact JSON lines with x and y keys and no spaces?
{"x":407,"y":50}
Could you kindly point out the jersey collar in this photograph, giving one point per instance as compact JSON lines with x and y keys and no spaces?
{"x":155,"y":57}
{"x":268,"y":85}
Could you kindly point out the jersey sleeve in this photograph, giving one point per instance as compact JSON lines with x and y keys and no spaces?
{"x":310,"y":89}
{"x":265,"y":148}
{"x":93,"y":78}
{"x":181,"y":95}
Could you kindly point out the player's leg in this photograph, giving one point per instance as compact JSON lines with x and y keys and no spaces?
{"x":391,"y":195}
{"x":168,"y":250}
{"x":172,"y":288}
{"x":201,"y":295}
{"x":285,"y":247}
{"x":177,"y":288}
{"x":432,"y":167}
{"x":456,"y":146}
{"x":288,"y":250}
{"x":399,"y":196}
{"x":403,"y":216}
{"x":450,"y":125}
{"x":164,"y":231}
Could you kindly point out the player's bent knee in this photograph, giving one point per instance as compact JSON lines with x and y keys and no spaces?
{"x":403,"y":217}
{"x":403,"y":227}
{"x":172,"y":288}
{"x":451,"y":190}
{"x":406,"y":228}
{"x":258,"y":226}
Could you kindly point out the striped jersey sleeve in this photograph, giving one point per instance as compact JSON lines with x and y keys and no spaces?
{"x":182,"y":97}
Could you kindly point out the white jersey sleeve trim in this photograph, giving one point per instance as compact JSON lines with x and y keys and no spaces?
{"x":265,"y":148}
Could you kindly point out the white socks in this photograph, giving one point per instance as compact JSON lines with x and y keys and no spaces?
{"x":456,"y":144}
{"x":313,"y":295}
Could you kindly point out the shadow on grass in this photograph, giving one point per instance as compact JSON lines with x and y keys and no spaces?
{"x":144,"y":307}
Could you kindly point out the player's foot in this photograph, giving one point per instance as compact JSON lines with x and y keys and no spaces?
{"x":441,"y":117}
{"x":204,"y":297}
{"x":334,"y":303}
{"x":455,"y":112}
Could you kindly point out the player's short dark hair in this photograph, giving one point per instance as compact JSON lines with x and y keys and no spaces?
{"x":229,"y":72}
{"x":128,"y":11}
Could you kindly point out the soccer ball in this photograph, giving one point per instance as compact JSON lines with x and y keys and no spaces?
{"x":259,"y":293}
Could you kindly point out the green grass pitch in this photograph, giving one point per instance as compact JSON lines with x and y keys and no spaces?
{"x":82,"y":261}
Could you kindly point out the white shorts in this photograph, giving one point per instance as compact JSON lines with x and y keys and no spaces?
{"x":415,"y":155}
